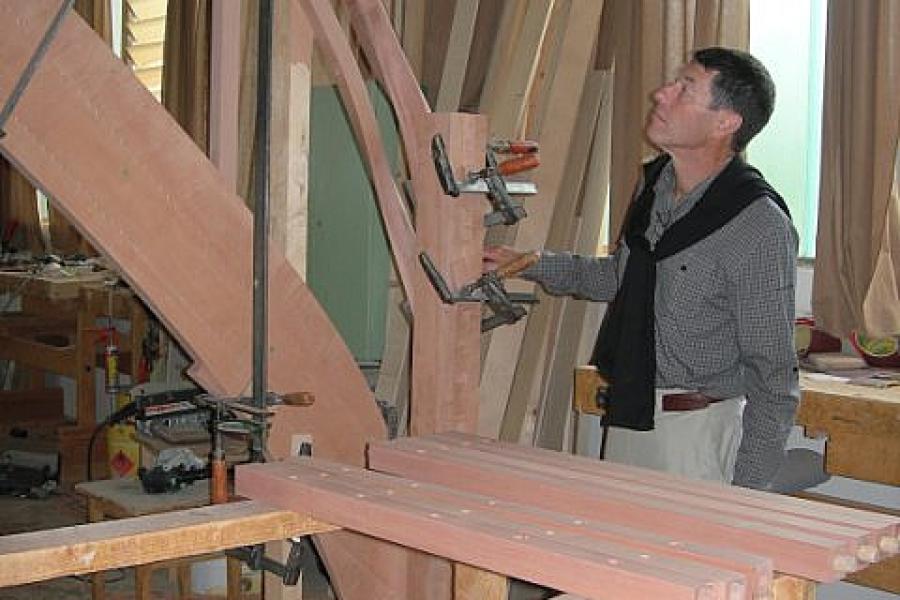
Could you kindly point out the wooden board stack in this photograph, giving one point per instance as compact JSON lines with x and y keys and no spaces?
{"x":578,"y":525}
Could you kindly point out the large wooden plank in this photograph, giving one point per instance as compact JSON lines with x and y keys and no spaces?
{"x":140,"y":190}
{"x":41,"y":555}
{"x":821,"y":556}
{"x":443,"y":522}
{"x":456,"y":59}
{"x":739,"y":499}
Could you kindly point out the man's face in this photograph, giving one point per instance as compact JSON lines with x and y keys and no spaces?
{"x":681,"y":117}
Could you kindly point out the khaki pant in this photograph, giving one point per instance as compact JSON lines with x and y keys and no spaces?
{"x":700,"y":444}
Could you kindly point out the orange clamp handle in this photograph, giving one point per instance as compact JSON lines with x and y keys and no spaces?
{"x":519,"y":164}
{"x":515,"y":147}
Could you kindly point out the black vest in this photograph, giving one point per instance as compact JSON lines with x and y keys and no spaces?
{"x":625,"y":351}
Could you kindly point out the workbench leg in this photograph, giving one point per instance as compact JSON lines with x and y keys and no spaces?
{"x":233,"y":579}
{"x":142,"y":574}
{"x":793,"y":588}
{"x":184,"y":580}
{"x":472,"y":583}
{"x":98,"y":580}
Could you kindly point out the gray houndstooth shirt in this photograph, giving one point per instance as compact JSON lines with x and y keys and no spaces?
{"x":724,"y":315}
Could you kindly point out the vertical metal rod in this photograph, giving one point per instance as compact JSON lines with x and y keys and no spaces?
{"x":261,"y":215}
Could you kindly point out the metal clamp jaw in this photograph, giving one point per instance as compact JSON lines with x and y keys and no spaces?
{"x":488,"y":289}
{"x":490,"y":180}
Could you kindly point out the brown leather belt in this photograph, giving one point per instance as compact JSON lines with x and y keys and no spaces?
{"x":687,"y":401}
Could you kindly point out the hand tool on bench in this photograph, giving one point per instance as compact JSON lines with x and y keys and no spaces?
{"x":491,"y":180}
{"x":488,"y":289}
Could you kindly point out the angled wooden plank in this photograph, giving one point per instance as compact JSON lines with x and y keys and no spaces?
{"x":122,"y":170}
{"x":553,"y":408}
{"x":794,"y":551}
{"x":332,"y":42}
{"x":48,"y":554}
{"x":437,"y":525}
{"x":512,"y":67}
{"x":396,"y":74}
{"x":457,"y":58}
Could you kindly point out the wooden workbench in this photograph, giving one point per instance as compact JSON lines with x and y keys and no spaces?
{"x":57,"y":331}
{"x":862,"y":425}
{"x":83,"y":549}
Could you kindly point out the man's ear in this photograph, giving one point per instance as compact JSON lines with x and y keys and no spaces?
{"x":729,"y":122}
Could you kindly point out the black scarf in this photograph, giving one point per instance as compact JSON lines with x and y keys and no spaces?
{"x":625,"y":351}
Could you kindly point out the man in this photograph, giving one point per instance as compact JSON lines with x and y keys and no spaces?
{"x":701,"y":285}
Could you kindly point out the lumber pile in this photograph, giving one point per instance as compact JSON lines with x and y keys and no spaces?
{"x":595,"y":529}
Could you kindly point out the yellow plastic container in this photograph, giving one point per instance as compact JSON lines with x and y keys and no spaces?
{"x":122,"y":447}
{"x":123,"y":451}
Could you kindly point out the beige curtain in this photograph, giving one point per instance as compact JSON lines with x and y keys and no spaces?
{"x":654,"y":38}
{"x":185,"y":87}
{"x":858,"y":244}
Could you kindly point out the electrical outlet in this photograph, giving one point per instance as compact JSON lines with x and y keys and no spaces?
{"x":301,"y":444}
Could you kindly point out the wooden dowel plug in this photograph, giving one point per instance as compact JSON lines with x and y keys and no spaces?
{"x":844,"y":563}
{"x":867,"y":553}
{"x":889,"y":544}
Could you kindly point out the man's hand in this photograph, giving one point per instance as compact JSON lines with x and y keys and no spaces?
{"x":495,"y":257}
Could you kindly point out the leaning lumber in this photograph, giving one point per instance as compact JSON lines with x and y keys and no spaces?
{"x":477,"y":530}
{"x":800,"y":544}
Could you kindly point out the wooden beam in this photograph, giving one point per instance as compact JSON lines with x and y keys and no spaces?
{"x":449,"y":523}
{"x":289,"y":148}
{"x":818,"y":550}
{"x":457,"y":58}
{"x":41,"y":555}
{"x":470,"y":583}
{"x":512,"y":66}
{"x":224,"y":88}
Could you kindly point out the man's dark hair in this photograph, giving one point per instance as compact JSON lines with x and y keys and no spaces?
{"x":741,"y":84}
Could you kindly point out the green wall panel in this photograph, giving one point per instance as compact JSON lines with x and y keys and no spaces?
{"x":348,"y":259}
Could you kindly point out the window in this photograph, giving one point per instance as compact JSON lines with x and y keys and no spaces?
{"x":143,"y":32}
{"x":789,"y":38}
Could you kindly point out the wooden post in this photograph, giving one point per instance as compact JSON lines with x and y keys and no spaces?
{"x":445,"y":360}
{"x":472,"y":583}
{"x":793,"y":588}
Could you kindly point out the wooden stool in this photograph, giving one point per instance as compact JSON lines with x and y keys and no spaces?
{"x":121,"y":498}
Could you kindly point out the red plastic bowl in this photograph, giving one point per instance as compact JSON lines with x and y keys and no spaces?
{"x":882,"y":361}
